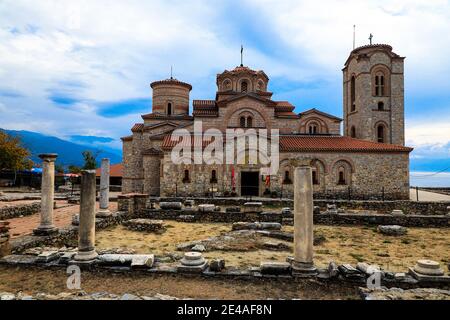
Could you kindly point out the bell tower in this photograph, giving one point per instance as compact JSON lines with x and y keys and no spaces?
{"x":373,"y":85}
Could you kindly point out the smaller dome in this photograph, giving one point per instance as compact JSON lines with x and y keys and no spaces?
{"x":171,"y":81}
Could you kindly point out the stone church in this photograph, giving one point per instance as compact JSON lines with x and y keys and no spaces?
{"x":368,"y":161}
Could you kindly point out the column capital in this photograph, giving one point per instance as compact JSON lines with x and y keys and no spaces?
{"x":48,"y":156}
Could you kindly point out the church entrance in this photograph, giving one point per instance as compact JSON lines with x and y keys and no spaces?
{"x":250,"y":183}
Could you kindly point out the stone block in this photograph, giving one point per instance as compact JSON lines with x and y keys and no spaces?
{"x":397,"y":213}
{"x":146,"y":225}
{"x":233,"y":209}
{"x":142,"y":261}
{"x":47,"y":256}
{"x":275,"y":268}
{"x":192,"y":262}
{"x":286,"y":211}
{"x":186,"y":218}
{"x":170,"y":205}
{"x":198,"y":248}
{"x":392,"y":230}
{"x":206,"y":208}
{"x":253,"y":207}
{"x":217,"y":265}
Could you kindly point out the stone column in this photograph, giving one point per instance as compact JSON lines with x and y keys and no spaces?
{"x":303,"y":222}
{"x":86,"y":229}
{"x":46,"y":226}
{"x":104,"y":190}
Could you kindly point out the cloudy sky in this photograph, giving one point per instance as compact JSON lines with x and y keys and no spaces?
{"x":83,"y":68}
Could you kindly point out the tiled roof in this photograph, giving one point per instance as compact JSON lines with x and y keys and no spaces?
{"x":171,"y":81}
{"x":307,"y":143}
{"x":336,"y":143}
{"x":314,"y":110}
{"x":127,"y":138}
{"x":206,"y":108}
{"x":115,"y":170}
{"x":168,"y":143}
{"x":137,"y":127}
{"x":286,"y":114}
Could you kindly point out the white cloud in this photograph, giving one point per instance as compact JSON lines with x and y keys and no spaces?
{"x":99,"y":50}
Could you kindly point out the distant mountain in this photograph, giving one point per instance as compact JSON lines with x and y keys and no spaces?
{"x":69,"y":153}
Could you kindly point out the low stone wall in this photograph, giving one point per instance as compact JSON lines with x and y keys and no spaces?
{"x":323,"y":218}
{"x":445,"y":191}
{"x":66,"y":237}
{"x":15,"y":211}
{"x":408,"y":207}
{"x":4,"y":238}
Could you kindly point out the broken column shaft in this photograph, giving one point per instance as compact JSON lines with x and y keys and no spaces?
{"x":86,"y":229}
{"x":303,"y":222}
{"x":46,"y":226}
{"x":104,"y":189}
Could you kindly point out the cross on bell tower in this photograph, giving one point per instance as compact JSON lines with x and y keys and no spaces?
{"x":370,"y":38}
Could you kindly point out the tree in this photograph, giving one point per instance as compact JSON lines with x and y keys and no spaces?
{"x":89,"y":160}
{"x":13,"y":155}
{"x":59,"y":168}
{"x":74,"y":169}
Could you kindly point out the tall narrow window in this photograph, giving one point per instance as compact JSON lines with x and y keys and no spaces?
{"x":169,"y":109}
{"x":352,"y":94}
{"x":242,"y":122}
{"x":353,"y":132}
{"x":380,"y":134}
{"x":244,"y":86}
{"x":287,"y":178}
{"x":186,"y":178}
{"x":341,"y":178}
{"x":379,"y":84}
{"x":314,"y":177}
{"x":380,"y":105}
{"x":213,"y":177}
{"x":249,"y":122}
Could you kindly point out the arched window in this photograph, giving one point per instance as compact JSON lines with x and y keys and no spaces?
{"x":213,"y":177}
{"x":287,"y":178}
{"x":379,"y":84}
{"x":352,"y":94}
{"x":169,"y":109}
{"x":244,"y":86}
{"x":353,"y":132}
{"x":315,"y":178}
{"x":380,"y":105}
{"x":249,"y":122}
{"x":227,"y":85}
{"x":312,"y":129}
{"x":380,"y":134}
{"x":186,"y":178}
{"x":260,"y":85}
{"x":341,"y":176}
{"x":242,"y":122}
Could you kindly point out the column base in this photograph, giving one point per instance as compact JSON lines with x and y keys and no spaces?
{"x":303,"y":269}
{"x":45,"y":231}
{"x":103,"y":213}
{"x":85,"y":256}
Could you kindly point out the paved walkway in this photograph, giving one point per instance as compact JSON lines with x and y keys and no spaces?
{"x":427,"y":196}
{"x":62,"y":218}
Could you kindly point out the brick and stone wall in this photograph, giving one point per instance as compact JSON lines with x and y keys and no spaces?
{"x":369,"y":176}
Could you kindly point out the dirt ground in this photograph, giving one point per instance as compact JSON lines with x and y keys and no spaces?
{"x":32,"y":281}
{"x":342,"y":245}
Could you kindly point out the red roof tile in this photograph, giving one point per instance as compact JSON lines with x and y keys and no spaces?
{"x":171,"y":81}
{"x":137,"y":127}
{"x":336,"y":143}
{"x":115,"y":170}
{"x":306,"y":143}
